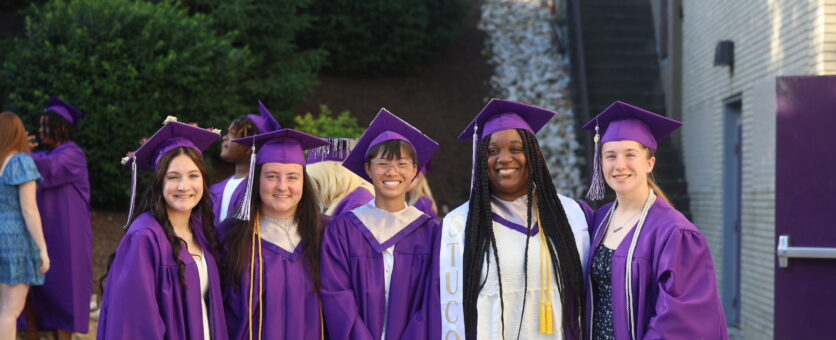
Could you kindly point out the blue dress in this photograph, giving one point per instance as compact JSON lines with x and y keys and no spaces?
{"x":19,"y":255}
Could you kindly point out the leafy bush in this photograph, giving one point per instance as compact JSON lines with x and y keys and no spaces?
{"x":282,"y":73}
{"x":126,"y":64}
{"x":382,"y":36}
{"x":344,"y":126}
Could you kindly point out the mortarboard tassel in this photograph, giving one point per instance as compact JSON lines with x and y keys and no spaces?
{"x":243,"y":212}
{"x":473,"y":157}
{"x":596,"y":187}
{"x":133,"y":191}
{"x":546,"y":309}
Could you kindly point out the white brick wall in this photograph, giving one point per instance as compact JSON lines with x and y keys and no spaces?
{"x":772,"y":38}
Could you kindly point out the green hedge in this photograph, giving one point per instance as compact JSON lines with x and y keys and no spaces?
{"x":325,"y":125}
{"x":382,"y":36}
{"x":282,"y":73}
{"x":126,"y":64}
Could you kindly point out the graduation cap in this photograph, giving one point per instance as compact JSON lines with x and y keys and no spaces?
{"x":500,"y":114}
{"x":385,"y":127}
{"x":264,"y":122}
{"x":337,"y":150}
{"x":619,"y":122}
{"x":171,"y":136}
{"x":282,"y":146}
{"x":70,"y":113}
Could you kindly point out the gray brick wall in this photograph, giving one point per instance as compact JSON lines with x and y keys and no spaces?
{"x":772,"y":38}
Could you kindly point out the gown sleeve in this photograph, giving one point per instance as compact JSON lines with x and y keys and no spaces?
{"x":688,"y":305}
{"x":61,"y":167}
{"x":133,"y":312}
{"x":339,"y":304}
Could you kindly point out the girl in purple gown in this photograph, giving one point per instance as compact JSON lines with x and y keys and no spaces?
{"x":63,"y":302}
{"x":228,"y":194}
{"x":271,"y":251}
{"x":420,"y":195}
{"x":378,"y":260}
{"x":650,"y":271}
{"x":163,"y":281}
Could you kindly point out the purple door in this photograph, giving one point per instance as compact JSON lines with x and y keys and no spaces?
{"x":805,"y":201}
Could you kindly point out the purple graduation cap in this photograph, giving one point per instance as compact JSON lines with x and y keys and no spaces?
{"x":385,"y":127}
{"x":337,"y":151}
{"x":171,"y":136}
{"x":502,"y":114}
{"x":619,"y":122}
{"x":499,"y":115}
{"x":70,"y":113}
{"x":282,"y":146}
{"x":265,"y":122}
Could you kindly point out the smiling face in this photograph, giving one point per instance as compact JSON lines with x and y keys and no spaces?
{"x":392,"y":174}
{"x":626,"y":165}
{"x":280,"y":189}
{"x":507,"y":169}
{"x":182,"y":185}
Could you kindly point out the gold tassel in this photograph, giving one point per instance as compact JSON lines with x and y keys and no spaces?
{"x":546,"y":310}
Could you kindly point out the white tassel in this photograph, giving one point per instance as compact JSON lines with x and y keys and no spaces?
{"x":596,"y":187}
{"x":133,"y":192}
{"x":244,"y":210}
{"x":473,"y":157}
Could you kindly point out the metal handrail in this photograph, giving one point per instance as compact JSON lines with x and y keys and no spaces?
{"x":785,"y":252}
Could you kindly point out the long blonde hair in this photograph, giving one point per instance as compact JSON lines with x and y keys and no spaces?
{"x":333,"y":183}
{"x":651,"y":182}
{"x":423,"y":189}
{"x":13,"y":136}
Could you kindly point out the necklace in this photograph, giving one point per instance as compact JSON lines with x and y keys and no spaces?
{"x":626,"y":223}
{"x":284,"y":225}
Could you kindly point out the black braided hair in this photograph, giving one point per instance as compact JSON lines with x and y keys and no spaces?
{"x":58,"y":129}
{"x":479,"y":236}
{"x":154,"y":202}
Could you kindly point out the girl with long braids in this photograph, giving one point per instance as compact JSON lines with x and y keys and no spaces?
{"x":228,"y":194}
{"x":271,"y":247}
{"x":512,"y":257}
{"x":163,"y":281}
{"x":62,"y":304}
{"x":651,"y":274}
{"x":378,"y":265}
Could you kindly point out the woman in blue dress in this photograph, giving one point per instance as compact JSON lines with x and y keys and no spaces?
{"x":23,"y":255}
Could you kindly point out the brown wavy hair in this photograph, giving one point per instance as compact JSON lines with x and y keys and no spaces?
{"x":13,"y":136}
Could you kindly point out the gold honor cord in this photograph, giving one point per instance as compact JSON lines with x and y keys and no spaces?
{"x":546,"y":308}
{"x":256,"y":238}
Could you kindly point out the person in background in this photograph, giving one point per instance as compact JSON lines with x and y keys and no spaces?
{"x":227,"y":195}
{"x":62,"y":304}
{"x":23,"y":252}
{"x":271,"y":250}
{"x":650,"y":270}
{"x":339,"y":190}
{"x":163,"y":281}
{"x":420,"y":195}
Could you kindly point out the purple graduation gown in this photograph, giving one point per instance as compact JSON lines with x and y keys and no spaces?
{"x":143,"y":297}
{"x":356,"y":198}
{"x":291,"y":304}
{"x":63,"y":302}
{"x":674,"y":284}
{"x":353,"y":287}
{"x":425,"y":204}
{"x":217,"y":196}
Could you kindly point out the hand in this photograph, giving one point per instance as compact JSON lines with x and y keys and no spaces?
{"x":32,"y":143}
{"x":44,"y":262}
